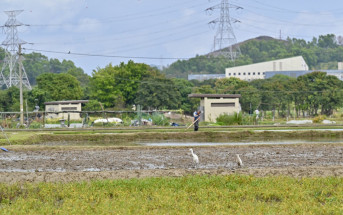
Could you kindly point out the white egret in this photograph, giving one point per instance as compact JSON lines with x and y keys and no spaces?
{"x":195,"y":157}
{"x":239,"y":160}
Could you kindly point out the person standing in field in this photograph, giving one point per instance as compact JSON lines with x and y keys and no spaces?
{"x":196,"y":120}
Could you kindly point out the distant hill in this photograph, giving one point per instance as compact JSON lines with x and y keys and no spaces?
{"x":36,"y":64}
{"x":324,"y":51}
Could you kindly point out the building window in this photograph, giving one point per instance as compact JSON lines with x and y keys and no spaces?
{"x":259,"y":73}
{"x":239,"y":73}
{"x":229,"y":74}
{"x":69,"y":108}
{"x":222,"y":104}
{"x":243,"y":73}
{"x":248,"y":73}
{"x":234,"y":73}
{"x":253,"y":73}
{"x":264,"y":73}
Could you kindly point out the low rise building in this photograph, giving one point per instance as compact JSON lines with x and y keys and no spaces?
{"x":258,"y":70}
{"x":61,"y":109}
{"x":203,"y":77}
{"x":213,"y":105}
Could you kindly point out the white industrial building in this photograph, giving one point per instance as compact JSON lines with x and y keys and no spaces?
{"x":259,"y":70}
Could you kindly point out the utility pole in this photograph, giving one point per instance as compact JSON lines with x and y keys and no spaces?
{"x":225,"y":42}
{"x":21,"y":87}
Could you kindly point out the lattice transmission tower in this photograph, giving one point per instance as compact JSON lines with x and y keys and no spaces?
{"x":9,"y":72}
{"x":225,"y":42}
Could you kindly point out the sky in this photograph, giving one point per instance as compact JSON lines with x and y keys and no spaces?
{"x":95,"y":33}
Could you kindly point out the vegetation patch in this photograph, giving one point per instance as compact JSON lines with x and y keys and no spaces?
{"x":129,"y":137}
{"x":234,"y":194}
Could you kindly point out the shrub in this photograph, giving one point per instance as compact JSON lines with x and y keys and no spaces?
{"x":318,"y":119}
{"x":159,"y":119}
{"x":34,"y":125}
{"x":235,"y":119}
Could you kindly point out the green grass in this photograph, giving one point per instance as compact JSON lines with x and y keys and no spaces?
{"x":186,"y":195}
{"x":129,"y":137}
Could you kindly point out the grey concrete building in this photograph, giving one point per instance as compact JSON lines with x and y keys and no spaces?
{"x":213,"y":105}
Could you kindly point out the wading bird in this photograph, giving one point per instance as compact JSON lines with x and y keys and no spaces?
{"x":195,"y":157}
{"x":238,"y":160}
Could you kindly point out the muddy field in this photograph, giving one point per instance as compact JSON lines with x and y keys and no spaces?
{"x":73,"y":164}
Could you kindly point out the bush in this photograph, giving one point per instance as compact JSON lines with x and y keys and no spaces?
{"x":318,"y":119}
{"x":235,"y":119}
{"x":159,"y":119}
{"x":34,"y":125}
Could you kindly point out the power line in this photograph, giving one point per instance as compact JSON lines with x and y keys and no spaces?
{"x":280,"y":22}
{"x":126,"y":17}
{"x":102,"y":55}
{"x":292,"y":11}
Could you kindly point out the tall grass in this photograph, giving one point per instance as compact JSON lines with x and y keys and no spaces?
{"x":186,"y":195}
{"x":235,"y":119}
{"x":159,"y":119}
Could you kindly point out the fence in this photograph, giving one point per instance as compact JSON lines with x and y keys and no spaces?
{"x":86,"y":119}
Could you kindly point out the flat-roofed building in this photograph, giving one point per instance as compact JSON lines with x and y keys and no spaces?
{"x":61,"y":109}
{"x":202,"y":77}
{"x":259,"y":70}
{"x":213,"y":105}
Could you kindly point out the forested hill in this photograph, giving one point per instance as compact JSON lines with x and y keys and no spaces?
{"x":36,"y":64}
{"x":321,"y":53}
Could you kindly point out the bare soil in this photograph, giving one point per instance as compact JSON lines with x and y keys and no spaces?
{"x":83,"y":164}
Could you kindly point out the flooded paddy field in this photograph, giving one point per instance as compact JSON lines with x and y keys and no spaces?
{"x":75,"y":156}
{"x":42,"y":163}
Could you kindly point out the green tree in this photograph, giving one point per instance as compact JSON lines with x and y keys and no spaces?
{"x":250,"y":98}
{"x":114,"y":85}
{"x":83,"y":78}
{"x":35,"y":64}
{"x":185,"y":88}
{"x":323,"y":92}
{"x":158,"y":93}
{"x":229,"y":85}
{"x":59,"y":86}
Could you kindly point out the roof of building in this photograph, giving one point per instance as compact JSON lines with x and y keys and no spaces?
{"x":214,"y":95}
{"x":66,"y":102}
{"x":292,"y":63}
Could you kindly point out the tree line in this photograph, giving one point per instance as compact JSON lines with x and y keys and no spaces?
{"x":119,"y":87}
{"x":308,"y":95}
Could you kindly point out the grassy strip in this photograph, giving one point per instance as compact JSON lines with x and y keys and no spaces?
{"x":232,"y":194}
{"x":128,"y":139}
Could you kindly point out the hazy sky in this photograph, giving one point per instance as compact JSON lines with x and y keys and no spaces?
{"x":158,"y":29}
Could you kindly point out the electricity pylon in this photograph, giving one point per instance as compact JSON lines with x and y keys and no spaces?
{"x":9,"y":72}
{"x":225,"y":42}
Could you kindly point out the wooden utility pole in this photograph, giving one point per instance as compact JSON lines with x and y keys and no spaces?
{"x":21,"y":88}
